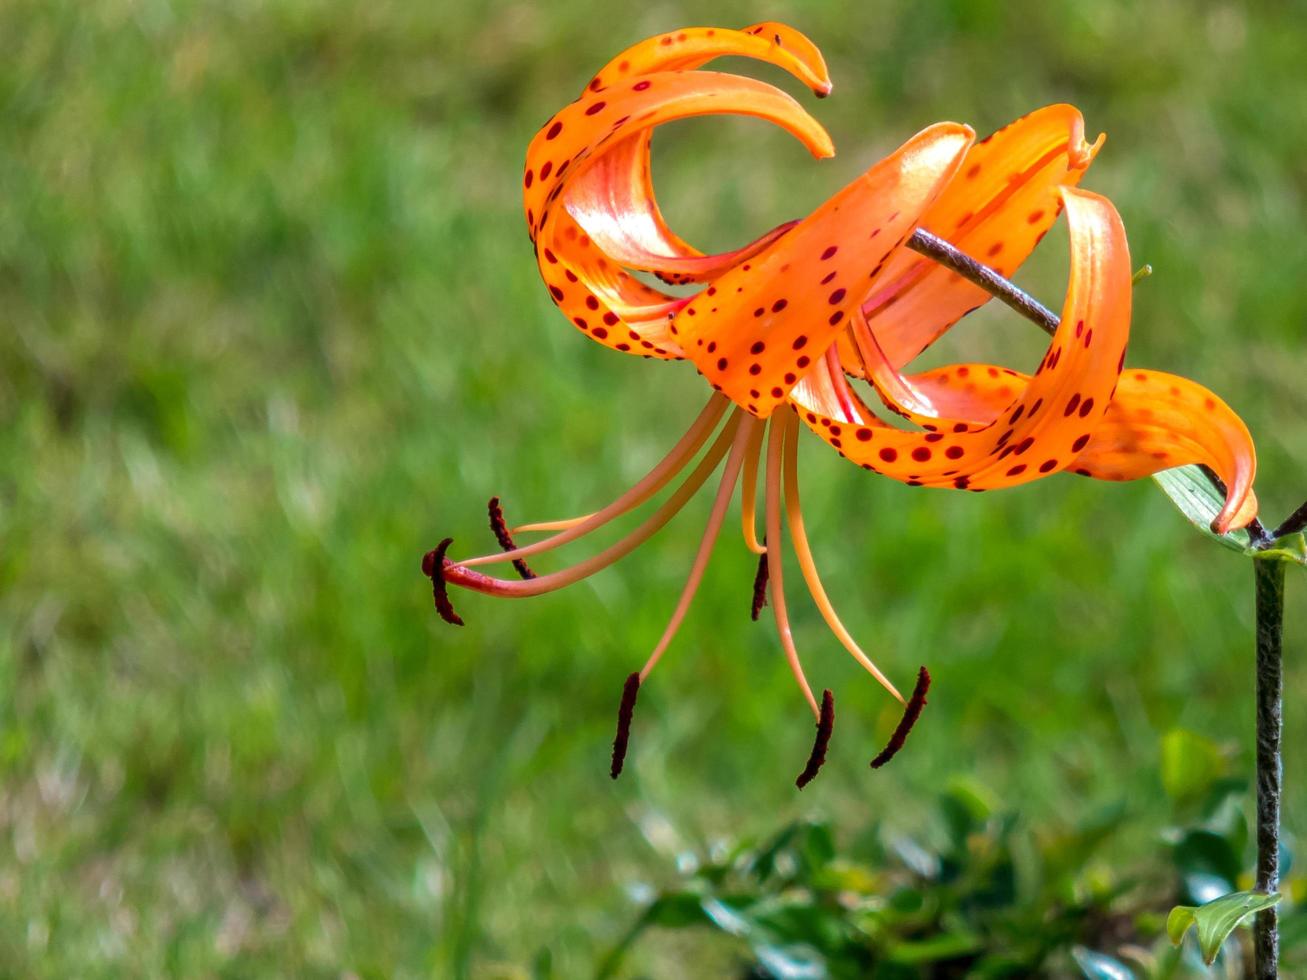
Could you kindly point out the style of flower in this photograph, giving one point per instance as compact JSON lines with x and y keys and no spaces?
{"x":784,"y":327}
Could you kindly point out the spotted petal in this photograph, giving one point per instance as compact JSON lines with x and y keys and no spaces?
{"x":614,"y":199}
{"x":1048,"y":420}
{"x":588,"y":286}
{"x":754,"y":331}
{"x":1004,"y":201}
{"x":1157,"y":421}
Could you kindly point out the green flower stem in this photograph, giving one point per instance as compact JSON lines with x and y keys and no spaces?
{"x":1269,"y":575}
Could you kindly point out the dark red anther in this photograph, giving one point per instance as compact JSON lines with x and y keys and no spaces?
{"x":911,"y":712}
{"x":760,"y":587}
{"x":500,"y":528}
{"x":433,"y":566}
{"x":825,"y":726}
{"x":630,"y":690}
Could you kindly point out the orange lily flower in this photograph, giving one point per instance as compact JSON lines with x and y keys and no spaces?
{"x":781,"y":325}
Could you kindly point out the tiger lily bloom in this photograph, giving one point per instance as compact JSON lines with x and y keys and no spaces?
{"x":784,"y":328}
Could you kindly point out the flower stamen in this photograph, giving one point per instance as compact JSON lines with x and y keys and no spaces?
{"x":910,"y":715}
{"x":749,"y":493}
{"x":657,"y":478}
{"x":775,"y":571}
{"x":759,"y":587}
{"x":625,"y":711}
{"x":505,"y":537}
{"x":799,"y":538}
{"x":459,"y":573}
{"x":825,"y":727}
{"x":433,"y":565}
{"x":725,"y":490}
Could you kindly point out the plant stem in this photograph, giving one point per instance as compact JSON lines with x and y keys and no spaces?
{"x":1269,"y":575}
{"x":950,"y":256}
{"x":1294,"y":523}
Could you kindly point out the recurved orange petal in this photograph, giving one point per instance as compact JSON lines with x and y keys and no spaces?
{"x":756,"y":330}
{"x":1048,"y":420}
{"x":1157,"y":421}
{"x":590,"y":288}
{"x":614,"y":199}
{"x":1004,"y":200}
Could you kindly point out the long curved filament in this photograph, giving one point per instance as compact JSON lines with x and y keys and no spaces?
{"x":562,"y":525}
{"x":749,"y":492}
{"x":457,"y":573}
{"x":745,"y":442}
{"x":799,"y":538}
{"x":653,"y":481}
{"x":775,"y":572}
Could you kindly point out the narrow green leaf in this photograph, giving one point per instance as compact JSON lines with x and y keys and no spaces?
{"x":1179,"y":921}
{"x":1216,"y":920}
{"x":1200,"y":502}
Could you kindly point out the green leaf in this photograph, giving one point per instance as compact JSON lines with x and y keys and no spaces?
{"x":1190,"y":764}
{"x":676,"y":910}
{"x":1200,"y":502}
{"x":942,"y":946}
{"x":1100,"y":966}
{"x":1291,"y":547}
{"x":1216,"y":920}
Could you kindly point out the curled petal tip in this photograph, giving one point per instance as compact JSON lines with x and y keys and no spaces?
{"x":434,"y":564}
{"x":822,"y":91}
{"x":1236,"y":514}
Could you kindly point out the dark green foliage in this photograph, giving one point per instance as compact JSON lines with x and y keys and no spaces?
{"x":976,"y":893}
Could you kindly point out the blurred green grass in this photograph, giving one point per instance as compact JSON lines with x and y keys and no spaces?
{"x":272,"y":327}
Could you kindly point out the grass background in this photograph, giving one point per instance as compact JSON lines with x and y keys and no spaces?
{"x":271,"y":327}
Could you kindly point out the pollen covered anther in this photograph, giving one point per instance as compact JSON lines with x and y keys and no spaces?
{"x":911,"y":712}
{"x":500,"y":528}
{"x":825,"y":726}
{"x":760,"y":586}
{"x":433,"y":566}
{"x":630,"y":691}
